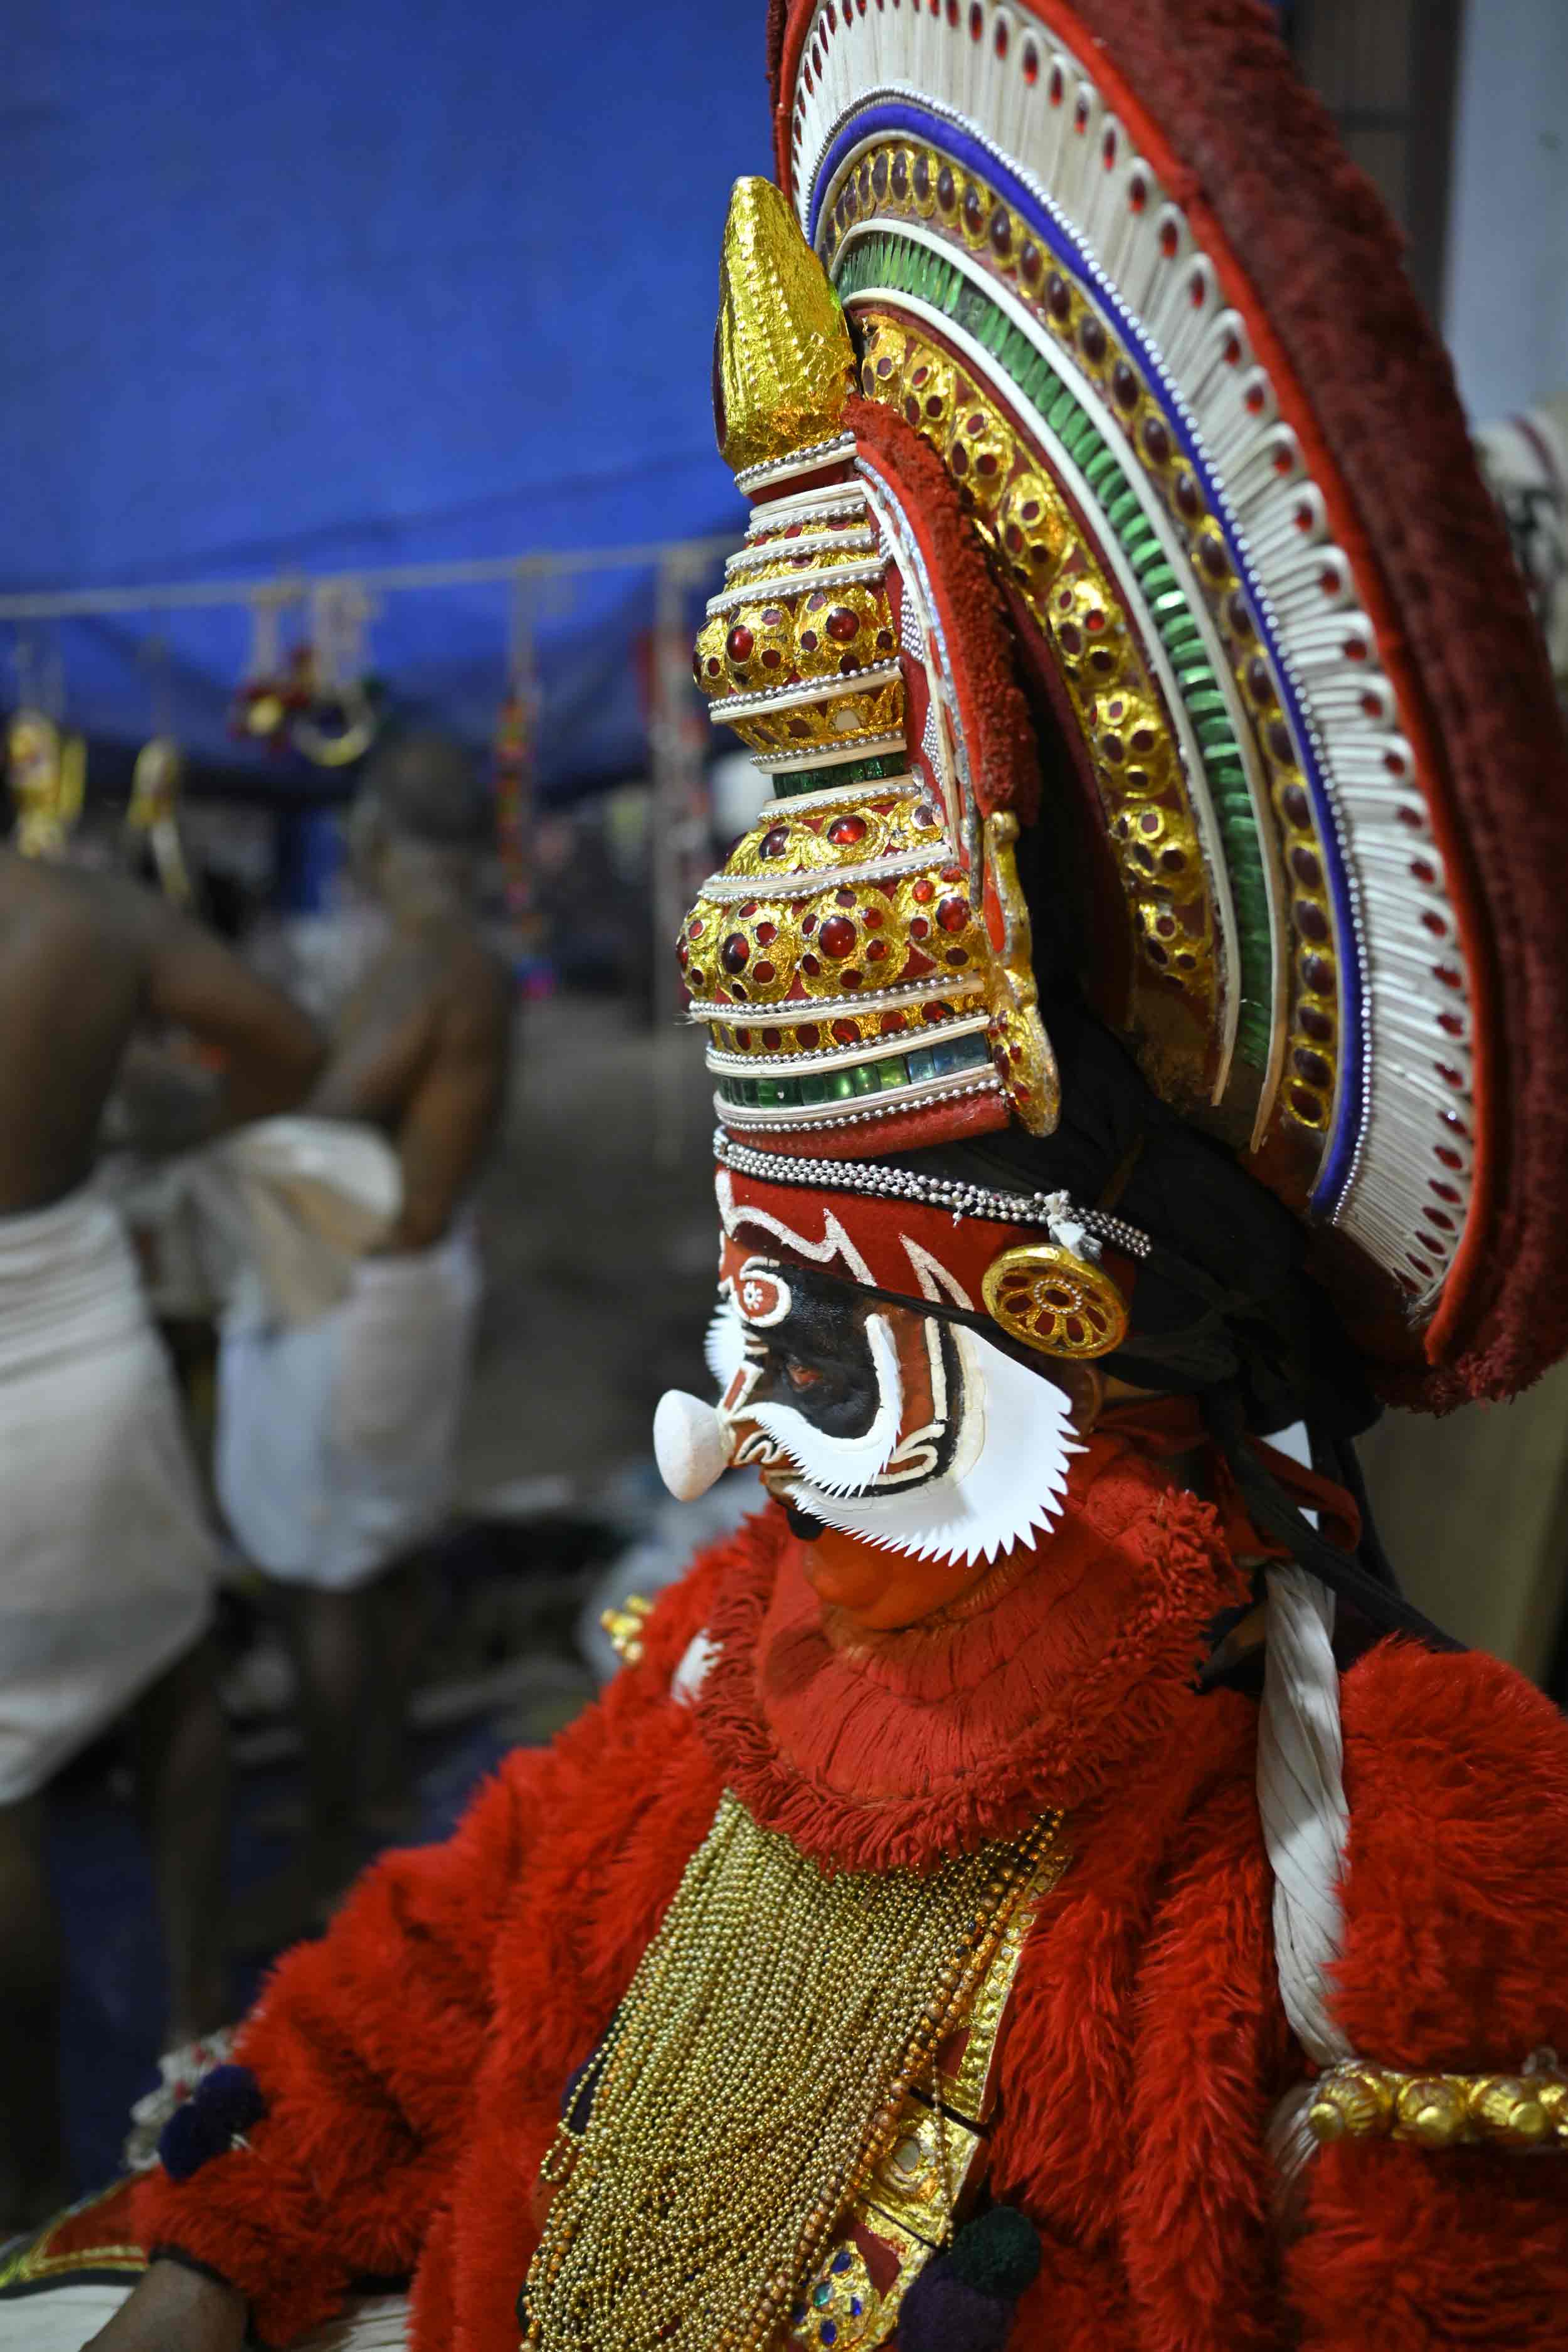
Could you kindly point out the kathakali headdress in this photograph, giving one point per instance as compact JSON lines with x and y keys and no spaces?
{"x":1136,"y":657}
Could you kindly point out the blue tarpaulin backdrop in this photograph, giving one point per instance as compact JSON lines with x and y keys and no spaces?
{"x":300,"y":288}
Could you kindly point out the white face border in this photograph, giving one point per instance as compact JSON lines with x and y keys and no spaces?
{"x":1006,"y":1432}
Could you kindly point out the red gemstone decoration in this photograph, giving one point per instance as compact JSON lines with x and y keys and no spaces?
{"x":873,"y":919}
{"x":1306,"y":868}
{"x":955,"y":955}
{"x":1446,"y":976}
{"x":1169,"y":239}
{"x":850,"y":979}
{"x":1108,"y":150}
{"x":844,"y":898}
{"x":771,"y":1037}
{"x":843,"y":626}
{"x":892,"y":1023}
{"x":694,"y":930}
{"x":1056,"y":89}
{"x":919,"y":928}
{"x":847,"y":829}
{"x":810,"y":966}
{"x":937,"y":1011}
{"x":743,"y":1038}
{"x":1435,"y":923}
{"x":807,"y":1035}
{"x":735,"y":953}
{"x":954,"y":914}
{"x":1305,"y":1104}
{"x":1312,"y":1068}
{"x":1319,"y":974}
{"x":764,"y":972}
{"x":774,"y":842}
{"x":846,"y":1032}
{"x":1031,"y":63}
{"x":838,"y":936}
{"x":923,"y":893}
{"x":1001,"y":36}
{"x":1310,"y":920}
{"x":766,"y":934}
{"x":877,"y":950}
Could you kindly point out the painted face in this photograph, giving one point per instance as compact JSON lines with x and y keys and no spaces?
{"x":893,"y":1427}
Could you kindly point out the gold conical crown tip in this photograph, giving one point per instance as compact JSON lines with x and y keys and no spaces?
{"x":783,"y":360}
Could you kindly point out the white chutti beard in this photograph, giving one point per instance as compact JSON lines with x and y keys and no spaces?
{"x":1011,"y":1489}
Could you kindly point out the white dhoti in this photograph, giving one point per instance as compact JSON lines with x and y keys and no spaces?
{"x":337,"y":1438}
{"x":62,"y":2319}
{"x":107,"y":1555}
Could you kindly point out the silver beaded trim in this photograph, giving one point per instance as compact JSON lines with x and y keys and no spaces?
{"x":828,"y":755}
{"x":763,"y":1064}
{"x":799,"y":461}
{"x":788,"y":1012}
{"x":810,"y":1114}
{"x":789,"y":697}
{"x":806,"y":882}
{"x":808,"y":506}
{"x":844,"y":796}
{"x":776,"y":585}
{"x":758,"y":553}
{"x":875,"y":1181}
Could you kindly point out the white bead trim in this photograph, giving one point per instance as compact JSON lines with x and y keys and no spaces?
{"x":729,"y":889}
{"x":794,"y":1011}
{"x":806,"y":506}
{"x":793,"y":697}
{"x":842,"y":1058}
{"x":800,"y":461}
{"x":829,"y":755}
{"x":924,"y":1092}
{"x":757,"y":554}
{"x":847,"y":796}
{"x":775,"y":590}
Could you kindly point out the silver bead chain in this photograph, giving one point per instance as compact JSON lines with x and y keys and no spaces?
{"x":870,"y":1178}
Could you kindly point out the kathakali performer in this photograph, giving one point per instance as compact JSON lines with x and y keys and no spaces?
{"x":1039,"y":1884}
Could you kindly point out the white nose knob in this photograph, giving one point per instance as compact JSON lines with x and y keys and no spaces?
{"x":687,"y":1444}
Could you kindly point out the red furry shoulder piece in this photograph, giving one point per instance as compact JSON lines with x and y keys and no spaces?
{"x":1457,"y":1777}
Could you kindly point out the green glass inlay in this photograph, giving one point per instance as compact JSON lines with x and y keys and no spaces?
{"x":791,"y":780}
{"x":886,"y":260}
{"x":864,"y":1079}
{"x":893,"y":1072}
{"x":841,"y":1085}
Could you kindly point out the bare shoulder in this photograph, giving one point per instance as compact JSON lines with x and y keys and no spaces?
{"x":476,"y":993}
{"x":69,"y":908}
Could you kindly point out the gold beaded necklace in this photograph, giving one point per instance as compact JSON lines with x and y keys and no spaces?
{"x":753,"y":2081}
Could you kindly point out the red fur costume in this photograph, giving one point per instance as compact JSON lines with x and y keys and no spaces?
{"x":413,"y":2061}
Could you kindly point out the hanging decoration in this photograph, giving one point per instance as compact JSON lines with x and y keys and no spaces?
{"x":47,"y":772}
{"x":317,"y":697}
{"x":151,"y":816}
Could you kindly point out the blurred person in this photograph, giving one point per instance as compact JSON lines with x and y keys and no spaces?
{"x":336,"y":1438}
{"x":107,"y":1556}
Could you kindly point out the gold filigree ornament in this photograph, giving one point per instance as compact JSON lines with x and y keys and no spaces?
{"x":1524,"y":2114}
{"x":1052,"y":1299}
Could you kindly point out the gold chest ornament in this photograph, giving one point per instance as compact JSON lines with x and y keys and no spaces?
{"x":791,"y":2103}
